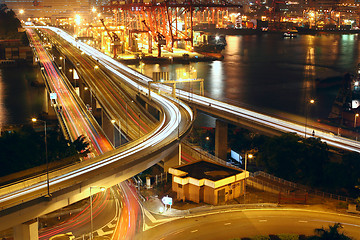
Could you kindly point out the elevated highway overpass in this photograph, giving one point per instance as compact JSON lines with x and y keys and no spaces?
{"x":25,"y":200}
{"x":235,"y":114}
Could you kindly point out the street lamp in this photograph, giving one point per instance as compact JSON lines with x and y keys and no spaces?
{"x":91,"y":210}
{"x":311,"y":101}
{"x":87,"y":88}
{"x":250,"y":156}
{"x":356,"y":115}
{"x":46,"y":157}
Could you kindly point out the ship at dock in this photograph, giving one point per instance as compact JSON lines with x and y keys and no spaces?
{"x":208,"y":43}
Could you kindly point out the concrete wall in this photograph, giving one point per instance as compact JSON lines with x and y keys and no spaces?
{"x":207,"y":194}
{"x":26,"y":231}
{"x":194,"y":193}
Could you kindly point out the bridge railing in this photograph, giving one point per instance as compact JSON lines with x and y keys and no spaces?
{"x":307,"y":189}
{"x":203,"y":154}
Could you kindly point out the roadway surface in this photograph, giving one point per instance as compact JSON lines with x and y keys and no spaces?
{"x":106,"y":211}
{"x":229,"y":224}
{"x":132,"y":119}
{"x":105,"y":207}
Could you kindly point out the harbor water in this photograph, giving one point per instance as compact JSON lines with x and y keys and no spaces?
{"x":267,"y":73}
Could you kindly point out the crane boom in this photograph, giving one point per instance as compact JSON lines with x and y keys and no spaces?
{"x":114,"y":37}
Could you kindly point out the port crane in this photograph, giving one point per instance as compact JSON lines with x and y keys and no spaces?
{"x":158,"y":37}
{"x":172,"y":19}
{"x":115,"y":40}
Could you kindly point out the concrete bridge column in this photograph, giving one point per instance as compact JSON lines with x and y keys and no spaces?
{"x":48,"y":105}
{"x":108,"y":127}
{"x":81,"y":86}
{"x":173,"y":160}
{"x":221,"y":135}
{"x":27,"y":231}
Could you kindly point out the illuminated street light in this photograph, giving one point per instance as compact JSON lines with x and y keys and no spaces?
{"x":93,"y":9}
{"x":356,"y":115}
{"x":21,"y":11}
{"x":311,"y":101}
{"x":46,"y":157}
{"x":77,"y":19}
{"x":250,"y":156}
{"x":91,"y":210}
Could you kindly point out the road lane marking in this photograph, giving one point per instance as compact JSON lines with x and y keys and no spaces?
{"x":264,"y":220}
{"x":227,"y":224}
{"x":302,"y":221}
{"x":194,"y":231}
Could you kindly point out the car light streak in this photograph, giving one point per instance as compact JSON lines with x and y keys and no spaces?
{"x":158,"y":139}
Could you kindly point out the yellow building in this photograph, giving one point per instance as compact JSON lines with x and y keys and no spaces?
{"x":208,"y":182}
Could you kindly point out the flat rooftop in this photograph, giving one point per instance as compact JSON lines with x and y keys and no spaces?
{"x":208,"y":170}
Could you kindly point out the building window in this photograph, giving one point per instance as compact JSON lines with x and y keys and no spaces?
{"x":179,"y":186}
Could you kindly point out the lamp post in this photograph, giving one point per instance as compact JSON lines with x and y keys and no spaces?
{"x":62,"y":62}
{"x":247,"y":155}
{"x":46,"y":156}
{"x":311,"y":101}
{"x":87,"y":88}
{"x":91,"y":210}
{"x":356,"y":115}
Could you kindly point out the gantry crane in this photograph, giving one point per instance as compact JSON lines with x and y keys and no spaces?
{"x":158,"y":37}
{"x":115,"y":40}
{"x":172,"y":19}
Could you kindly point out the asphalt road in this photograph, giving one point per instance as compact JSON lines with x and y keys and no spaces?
{"x":245,"y":223}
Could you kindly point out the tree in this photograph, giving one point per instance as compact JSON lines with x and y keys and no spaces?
{"x":330,"y":234}
{"x":8,"y":21}
{"x":24,"y":148}
{"x":81,"y":145}
{"x":296,"y":159}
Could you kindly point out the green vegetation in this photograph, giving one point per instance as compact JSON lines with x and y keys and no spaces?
{"x":331,"y":233}
{"x":308,"y":161}
{"x":25,"y":148}
{"x":9,"y":25}
{"x":8,"y":21}
{"x":291,"y":157}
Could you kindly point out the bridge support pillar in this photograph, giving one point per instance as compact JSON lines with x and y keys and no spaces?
{"x":221,"y":135}
{"x":48,"y":105}
{"x":82,"y":91}
{"x":173,"y":160}
{"x":108,"y":127}
{"x":26,"y":231}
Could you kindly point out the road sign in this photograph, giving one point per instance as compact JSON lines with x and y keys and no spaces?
{"x":53,"y":96}
{"x":167,"y":200}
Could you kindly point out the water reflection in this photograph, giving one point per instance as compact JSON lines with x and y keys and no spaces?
{"x":19,"y":99}
{"x":272,"y":74}
{"x":3,"y":112}
{"x":215,"y":82}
